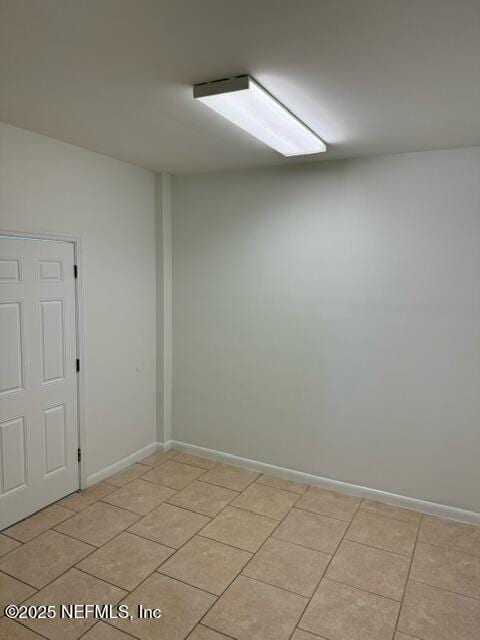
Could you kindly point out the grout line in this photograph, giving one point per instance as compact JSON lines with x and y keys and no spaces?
{"x":8,"y":535}
{"x":197,"y":513}
{"x":367,"y":510}
{"x":139,"y":535}
{"x":276,"y":586}
{"x":348,"y":522}
{"x":27,"y":584}
{"x":373,"y":593}
{"x":253,"y":513}
{"x":372,"y":546}
{"x":325,"y":572}
{"x":188,"y":584}
{"x":229,"y":544}
{"x":24,"y":626}
{"x":408,"y":577}
{"x":303,"y":546}
{"x":265,"y":484}
{"x":112,"y":584}
{"x":256,"y":513}
{"x":382,"y":516}
{"x":74,"y":513}
{"x":158,"y":484}
{"x":456,"y":593}
{"x":445,"y":548}
{"x":135,"y":513}
{"x":258,"y":475}
{"x":96,"y":624}
{"x":202,"y":624}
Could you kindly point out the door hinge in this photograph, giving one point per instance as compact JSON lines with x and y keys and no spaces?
{"x":77,"y":365}
{"x":79,"y":455}
{"x":75,"y":271}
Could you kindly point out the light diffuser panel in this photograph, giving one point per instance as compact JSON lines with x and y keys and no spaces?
{"x":248,"y":105}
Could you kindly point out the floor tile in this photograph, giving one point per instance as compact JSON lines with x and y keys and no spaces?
{"x":98,"y":523}
{"x":230,"y":477}
{"x":126,"y":560}
{"x":7,"y":544}
{"x":447,"y":533}
{"x":158,"y":458}
{"x":102,"y":631}
{"x":74,"y":587}
{"x":195,"y":461}
{"x":44,"y":558}
{"x":182,"y":607}
{"x":38,"y":523}
{"x":240,"y":528}
{"x":329,"y":503}
{"x":173,"y":474}
{"x":311,"y":530}
{"x":340,"y":612}
{"x":374,"y":570}
{"x":281,"y":483}
{"x":203,"y":633}
{"x":433,"y":614}
{"x":391,"y":511}
{"x":11,"y":630}
{"x":139,"y":496}
{"x":446,"y":569}
{"x":202,"y":497}
{"x":266,"y":501}
{"x":206,"y":564}
{"x":286,"y":565}
{"x":127,"y":475}
{"x":403,"y":636}
{"x":383,"y":533}
{"x":12,"y":591}
{"x":83,"y":499}
{"x":252,"y":610}
{"x":169,"y":525}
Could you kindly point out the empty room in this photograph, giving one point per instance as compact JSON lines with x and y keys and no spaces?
{"x":239,"y":320}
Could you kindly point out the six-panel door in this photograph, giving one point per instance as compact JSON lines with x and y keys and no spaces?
{"x":38,"y":386}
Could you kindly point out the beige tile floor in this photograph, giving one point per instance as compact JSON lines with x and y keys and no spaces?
{"x":226,"y":553}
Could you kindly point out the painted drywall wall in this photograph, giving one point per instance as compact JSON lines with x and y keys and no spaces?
{"x":327,"y":319}
{"x":49,"y":186}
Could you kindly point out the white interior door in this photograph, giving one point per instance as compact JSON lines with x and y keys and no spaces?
{"x":38,"y":385}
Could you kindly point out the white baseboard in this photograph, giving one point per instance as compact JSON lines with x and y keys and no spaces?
{"x":165,"y":446}
{"x":430,"y":508}
{"x":123,"y":463}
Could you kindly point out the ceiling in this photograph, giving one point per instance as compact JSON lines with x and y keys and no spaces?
{"x":115,"y":76}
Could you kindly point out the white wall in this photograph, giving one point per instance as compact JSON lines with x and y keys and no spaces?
{"x":326,"y":319}
{"x":49,"y":186}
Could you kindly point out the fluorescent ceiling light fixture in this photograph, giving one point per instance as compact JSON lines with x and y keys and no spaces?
{"x":248,"y":105}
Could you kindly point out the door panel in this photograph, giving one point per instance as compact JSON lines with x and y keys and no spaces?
{"x":54,"y":437}
{"x":53,"y":345}
{"x":9,"y":270}
{"x":12,"y":440}
{"x":11,"y":339}
{"x":38,"y":381}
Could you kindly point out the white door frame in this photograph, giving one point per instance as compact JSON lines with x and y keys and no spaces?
{"x":80,"y":334}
